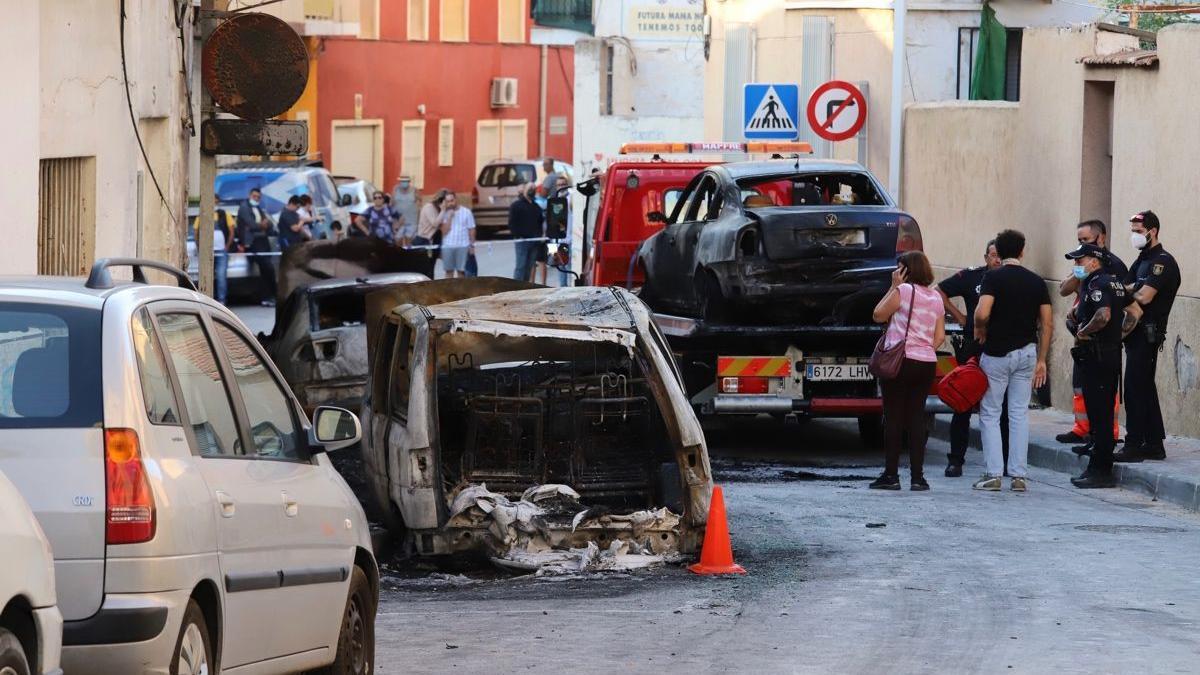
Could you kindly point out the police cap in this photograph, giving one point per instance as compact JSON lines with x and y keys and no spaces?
{"x":1088,"y":251}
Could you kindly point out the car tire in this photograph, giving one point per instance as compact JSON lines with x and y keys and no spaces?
{"x":356,"y":638}
{"x":711,"y":303}
{"x":12,"y":654}
{"x":193,"y":650}
{"x":870,"y":430}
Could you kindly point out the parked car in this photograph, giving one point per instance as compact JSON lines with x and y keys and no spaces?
{"x":529,"y":391}
{"x":499,"y":183}
{"x":280,"y":180}
{"x":242,"y":275}
{"x":189,"y":502}
{"x":30,"y":623}
{"x":320,"y":338}
{"x":789,"y":241}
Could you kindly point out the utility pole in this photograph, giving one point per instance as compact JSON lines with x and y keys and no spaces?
{"x":208,"y":168}
{"x":896,"y":140}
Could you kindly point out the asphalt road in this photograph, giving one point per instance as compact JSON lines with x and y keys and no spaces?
{"x":955,"y":581}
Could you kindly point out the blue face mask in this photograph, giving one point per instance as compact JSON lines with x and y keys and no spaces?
{"x":1079,"y":271}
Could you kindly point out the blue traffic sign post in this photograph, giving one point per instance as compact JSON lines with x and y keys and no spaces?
{"x":771,"y":112}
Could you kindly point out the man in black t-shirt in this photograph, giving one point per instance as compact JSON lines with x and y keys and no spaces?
{"x":1013,"y":323}
{"x":1095,"y":233}
{"x":525,"y":223}
{"x":1153,"y":282}
{"x":966,"y":284}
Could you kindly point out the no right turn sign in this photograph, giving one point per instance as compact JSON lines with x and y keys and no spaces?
{"x":837,"y":110}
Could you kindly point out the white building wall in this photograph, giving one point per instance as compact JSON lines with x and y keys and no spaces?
{"x":65,"y":97}
{"x":19,"y":117}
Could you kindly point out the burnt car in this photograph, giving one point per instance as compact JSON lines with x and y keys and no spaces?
{"x":781,"y":241}
{"x":319,"y":341}
{"x":533,"y":424}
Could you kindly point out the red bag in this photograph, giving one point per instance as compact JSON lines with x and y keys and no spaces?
{"x":963,"y":388}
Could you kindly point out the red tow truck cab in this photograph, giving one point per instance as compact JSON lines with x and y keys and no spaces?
{"x":628,"y":192}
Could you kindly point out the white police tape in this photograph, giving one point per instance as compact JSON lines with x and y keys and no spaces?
{"x":420,"y":247}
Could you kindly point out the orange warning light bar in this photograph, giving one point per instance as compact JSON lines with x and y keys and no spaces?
{"x":662,"y":148}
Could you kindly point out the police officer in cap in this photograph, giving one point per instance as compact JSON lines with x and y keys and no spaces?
{"x":1152,"y":281}
{"x":1105,"y":314}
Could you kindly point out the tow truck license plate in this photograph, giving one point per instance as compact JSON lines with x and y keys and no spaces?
{"x":819,"y":372}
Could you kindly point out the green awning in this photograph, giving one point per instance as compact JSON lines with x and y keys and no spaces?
{"x":570,"y":14}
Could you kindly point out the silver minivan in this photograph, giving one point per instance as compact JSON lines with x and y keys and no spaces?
{"x":498,"y":185}
{"x":189,"y":503}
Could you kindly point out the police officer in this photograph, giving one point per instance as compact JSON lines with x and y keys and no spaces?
{"x":966,"y":284}
{"x":1105,"y":313}
{"x":1152,"y":281}
{"x":1087,"y":232}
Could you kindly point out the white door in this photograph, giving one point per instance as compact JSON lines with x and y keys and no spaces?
{"x":316,"y":545}
{"x":412,"y":151}
{"x":249,"y":510}
{"x":356,"y":151}
{"x":514,"y":139}
{"x":487,"y":142}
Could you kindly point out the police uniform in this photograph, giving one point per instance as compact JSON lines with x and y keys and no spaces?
{"x":1099,"y":357}
{"x":1157,"y":269}
{"x":1082,"y":429}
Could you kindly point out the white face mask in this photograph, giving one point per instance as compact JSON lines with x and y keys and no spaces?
{"x":253,"y":202}
{"x":1138,"y":240}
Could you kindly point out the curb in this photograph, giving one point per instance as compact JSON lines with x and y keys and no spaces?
{"x":1147,"y":477}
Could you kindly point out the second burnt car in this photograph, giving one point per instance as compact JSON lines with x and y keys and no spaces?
{"x":531,"y":423}
{"x":802,"y":241}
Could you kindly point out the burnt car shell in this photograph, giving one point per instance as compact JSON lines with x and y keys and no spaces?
{"x":319,"y":342}
{"x":773,"y":247}
{"x":513,"y":386}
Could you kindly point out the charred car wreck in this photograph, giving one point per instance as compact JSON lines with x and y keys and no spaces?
{"x":806,"y":242}
{"x":545,"y":427}
{"x":319,"y":341}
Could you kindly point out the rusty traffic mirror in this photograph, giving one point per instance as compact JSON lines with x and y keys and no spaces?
{"x":255,"y":66}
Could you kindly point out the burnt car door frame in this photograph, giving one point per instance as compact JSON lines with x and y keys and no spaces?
{"x":676,"y":251}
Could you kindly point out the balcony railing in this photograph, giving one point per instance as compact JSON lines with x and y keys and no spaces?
{"x":570,"y":14}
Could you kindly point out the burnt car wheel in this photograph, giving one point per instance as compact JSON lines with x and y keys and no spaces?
{"x":710,"y":303}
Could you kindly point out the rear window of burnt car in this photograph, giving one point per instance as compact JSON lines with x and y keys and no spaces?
{"x":810,"y":189}
{"x":507,"y":175}
{"x":49,"y":366}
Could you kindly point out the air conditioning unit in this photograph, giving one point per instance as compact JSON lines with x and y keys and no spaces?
{"x":504,"y":92}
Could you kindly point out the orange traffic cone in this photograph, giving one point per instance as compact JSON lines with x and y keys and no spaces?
{"x":716,"y":556}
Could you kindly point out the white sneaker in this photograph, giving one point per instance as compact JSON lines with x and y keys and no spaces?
{"x":989,"y":483}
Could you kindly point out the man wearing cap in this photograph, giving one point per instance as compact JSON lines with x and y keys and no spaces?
{"x":1105,"y":314}
{"x":1152,"y":281}
{"x":1088,"y":232}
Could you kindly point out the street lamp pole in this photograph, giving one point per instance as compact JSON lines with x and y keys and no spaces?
{"x":899,"y":15}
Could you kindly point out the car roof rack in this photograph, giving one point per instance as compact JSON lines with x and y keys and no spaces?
{"x":100,"y":277}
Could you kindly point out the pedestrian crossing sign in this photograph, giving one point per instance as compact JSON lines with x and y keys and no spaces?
{"x":771,"y":111}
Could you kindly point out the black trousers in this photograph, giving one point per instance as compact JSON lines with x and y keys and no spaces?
{"x":1143,"y":416}
{"x":960,"y":423}
{"x":904,"y":415}
{"x":266,"y":269}
{"x":1100,"y":369}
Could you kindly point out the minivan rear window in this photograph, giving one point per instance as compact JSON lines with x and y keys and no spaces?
{"x":507,"y":175}
{"x":49,"y":366}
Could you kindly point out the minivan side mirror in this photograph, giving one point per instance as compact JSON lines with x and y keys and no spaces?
{"x":656,"y":217}
{"x":335,"y":428}
{"x":346,"y":200}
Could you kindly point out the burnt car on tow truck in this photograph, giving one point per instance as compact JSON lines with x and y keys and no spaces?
{"x":537,"y":425}
{"x":801,"y":241}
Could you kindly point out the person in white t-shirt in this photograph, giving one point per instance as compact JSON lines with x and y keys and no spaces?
{"x":458,"y":236}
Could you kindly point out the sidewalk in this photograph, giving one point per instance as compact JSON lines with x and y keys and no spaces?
{"x":1175,"y":480}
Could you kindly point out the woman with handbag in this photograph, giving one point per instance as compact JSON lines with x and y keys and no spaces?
{"x":905,"y":361}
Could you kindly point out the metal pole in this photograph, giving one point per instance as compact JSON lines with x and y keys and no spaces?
{"x":899,"y":14}
{"x":542,"y":104}
{"x":208,"y":171}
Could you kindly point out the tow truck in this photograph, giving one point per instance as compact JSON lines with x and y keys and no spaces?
{"x":749,"y":362}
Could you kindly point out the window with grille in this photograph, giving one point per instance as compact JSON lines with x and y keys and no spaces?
{"x":968,"y":49}
{"x":446,"y":143}
{"x":67,"y":216}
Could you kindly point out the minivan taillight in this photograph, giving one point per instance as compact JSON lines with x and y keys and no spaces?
{"x":475,"y":196}
{"x":129,"y":516}
{"x":908,"y":236}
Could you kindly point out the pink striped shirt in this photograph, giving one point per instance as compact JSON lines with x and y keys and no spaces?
{"x":925,"y":314}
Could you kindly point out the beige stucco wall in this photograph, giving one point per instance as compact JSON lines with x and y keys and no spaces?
{"x":972,"y":169}
{"x":65,"y":97}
